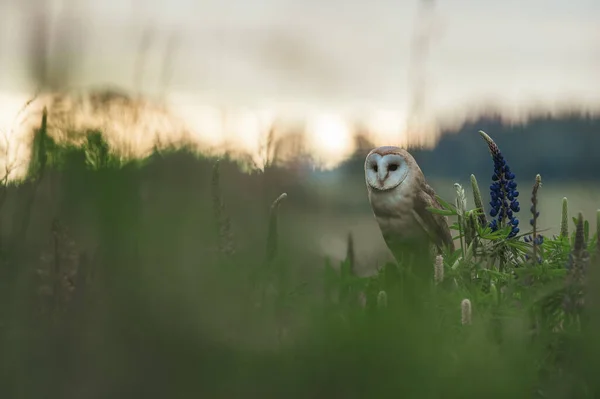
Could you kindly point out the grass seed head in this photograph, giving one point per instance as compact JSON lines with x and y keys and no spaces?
{"x":461,"y":209}
{"x":382,"y":299}
{"x":461,"y":199}
{"x":466,"y":312}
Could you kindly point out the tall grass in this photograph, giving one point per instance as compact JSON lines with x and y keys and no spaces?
{"x":118,"y":281}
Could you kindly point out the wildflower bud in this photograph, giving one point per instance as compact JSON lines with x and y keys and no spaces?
{"x":564,"y":222}
{"x":382,"y":299}
{"x":478,"y":201}
{"x":465,"y":307}
{"x":535,"y":213}
{"x":579,"y":234}
{"x":438,"y":269}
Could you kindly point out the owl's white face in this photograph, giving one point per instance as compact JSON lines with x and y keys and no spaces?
{"x":385,"y":172}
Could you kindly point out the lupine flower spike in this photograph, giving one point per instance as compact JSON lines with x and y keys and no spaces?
{"x":465,"y":312}
{"x":503,"y":191}
{"x":564,"y":221}
{"x":577,"y":266}
{"x":536,"y":239}
{"x":478,"y":201}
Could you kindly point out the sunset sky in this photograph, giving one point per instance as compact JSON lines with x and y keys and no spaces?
{"x":334,"y":58}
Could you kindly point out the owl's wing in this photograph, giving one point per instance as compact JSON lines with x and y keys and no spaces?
{"x":434,"y":224}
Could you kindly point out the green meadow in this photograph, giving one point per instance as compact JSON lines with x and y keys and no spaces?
{"x":178,"y":276}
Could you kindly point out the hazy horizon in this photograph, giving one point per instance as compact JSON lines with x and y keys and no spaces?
{"x":406,"y":70}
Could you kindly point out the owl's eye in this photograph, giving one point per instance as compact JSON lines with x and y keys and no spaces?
{"x":375,"y":167}
{"x":393,"y":167}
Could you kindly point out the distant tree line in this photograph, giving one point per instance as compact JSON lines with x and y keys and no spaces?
{"x":565,"y":148}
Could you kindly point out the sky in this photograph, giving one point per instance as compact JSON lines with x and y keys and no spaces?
{"x":400,"y":64}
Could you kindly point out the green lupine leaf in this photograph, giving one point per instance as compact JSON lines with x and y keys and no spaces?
{"x":445,"y":204}
{"x":520,"y":245}
{"x":443,"y":212}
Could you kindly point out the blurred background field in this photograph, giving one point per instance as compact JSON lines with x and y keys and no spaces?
{"x":113,"y":285}
{"x":113,"y":278}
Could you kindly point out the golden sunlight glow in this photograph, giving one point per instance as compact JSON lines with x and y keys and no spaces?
{"x":14,"y":146}
{"x":133,"y":126}
{"x":386,"y":128}
{"x":246,"y":134}
{"x":330,"y":139}
{"x":205,"y":123}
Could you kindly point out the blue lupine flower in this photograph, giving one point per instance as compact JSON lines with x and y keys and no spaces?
{"x":540,"y":260}
{"x":535,"y":213}
{"x":503,"y":191}
{"x":539,"y":240}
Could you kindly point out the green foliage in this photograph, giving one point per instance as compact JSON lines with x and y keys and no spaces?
{"x":149,"y":307}
{"x":97,"y":153}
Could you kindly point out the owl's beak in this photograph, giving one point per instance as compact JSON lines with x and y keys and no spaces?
{"x":381,"y":176}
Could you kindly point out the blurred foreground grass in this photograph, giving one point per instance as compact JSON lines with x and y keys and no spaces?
{"x":135,"y":282}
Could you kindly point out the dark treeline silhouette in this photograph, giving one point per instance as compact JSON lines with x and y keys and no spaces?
{"x":559,"y":148}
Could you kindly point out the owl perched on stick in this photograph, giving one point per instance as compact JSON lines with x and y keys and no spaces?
{"x":399,"y":197}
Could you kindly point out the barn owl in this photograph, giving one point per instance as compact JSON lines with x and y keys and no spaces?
{"x":399,"y":197}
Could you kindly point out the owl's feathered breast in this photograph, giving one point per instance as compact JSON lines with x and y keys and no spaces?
{"x":403,"y":217}
{"x":393,"y":212}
